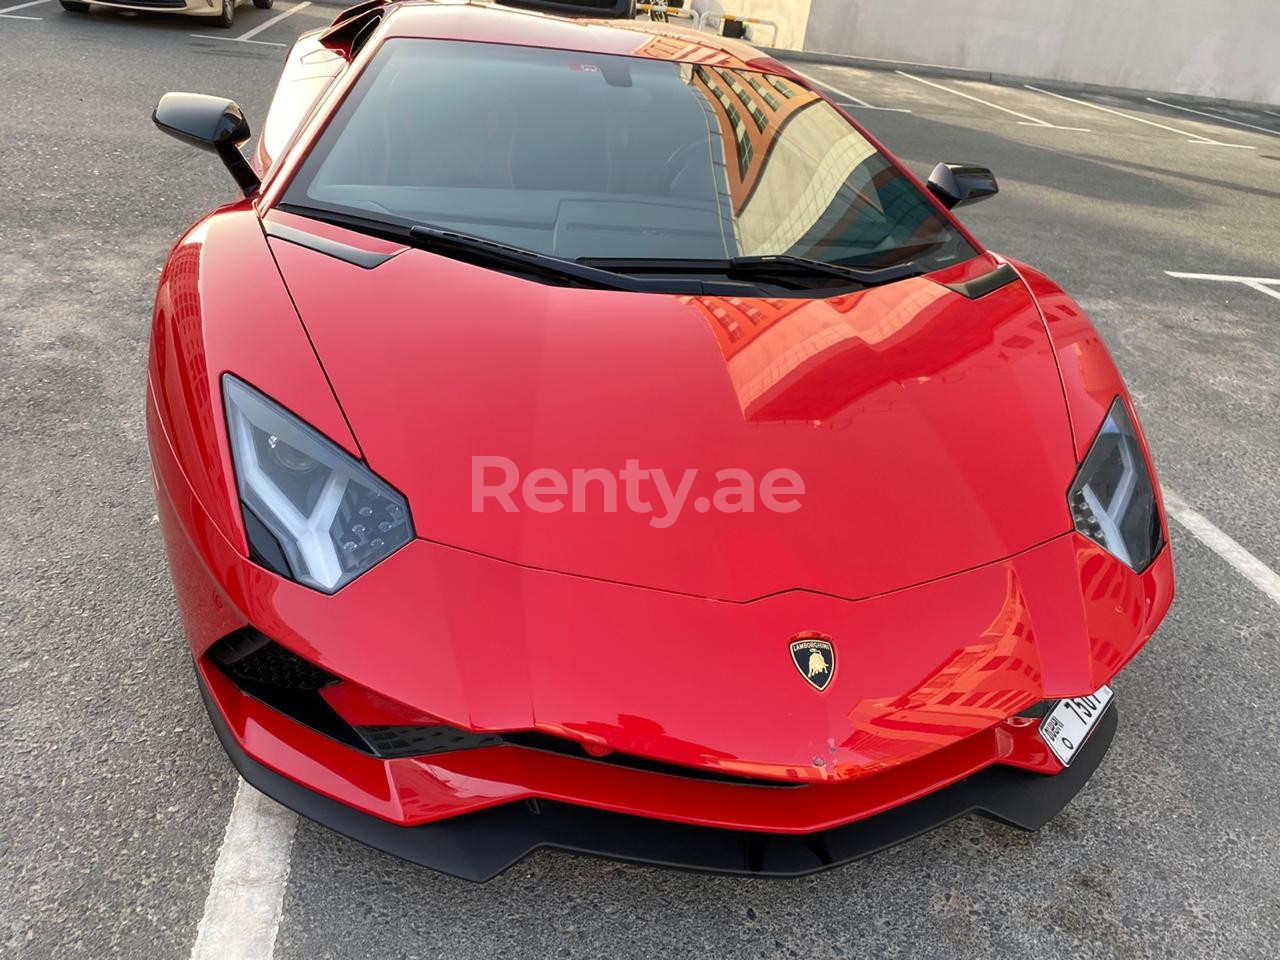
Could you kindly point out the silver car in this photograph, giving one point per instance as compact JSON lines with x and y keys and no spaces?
{"x":223,"y":12}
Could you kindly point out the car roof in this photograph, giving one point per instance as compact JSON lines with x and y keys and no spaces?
{"x":487,"y":23}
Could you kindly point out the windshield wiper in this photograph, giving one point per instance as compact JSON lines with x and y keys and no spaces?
{"x":778,"y":267}
{"x":869,"y":276}
{"x":785,"y":264}
{"x":489,"y":253}
{"x":656,"y":275}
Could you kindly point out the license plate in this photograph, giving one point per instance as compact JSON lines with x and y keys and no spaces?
{"x":1067,"y":726}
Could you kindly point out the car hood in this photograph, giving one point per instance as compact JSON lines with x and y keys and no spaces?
{"x":929,"y":430}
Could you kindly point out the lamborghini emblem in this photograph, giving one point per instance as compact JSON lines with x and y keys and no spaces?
{"x":815,"y":659}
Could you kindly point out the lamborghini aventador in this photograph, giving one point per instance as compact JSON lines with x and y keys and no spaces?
{"x":585,"y":434}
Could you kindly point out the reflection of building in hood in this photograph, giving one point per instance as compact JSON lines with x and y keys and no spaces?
{"x":770,"y":345}
{"x":971,"y":690}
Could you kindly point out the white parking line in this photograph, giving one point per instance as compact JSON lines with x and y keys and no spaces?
{"x":1217,"y":116}
{"x":248,"y":35}
{"x":1271,"y":113}
{"x":1261,"y":284}
{"x":246,"y":895}
{"x":7,"y":12}
{"x":1027,"y":119}
{"x":260,"y":43}
{"x":1241,"y":560}
{"x":1196,"y":138}
{"x":853,"y":101}
{"x":274,"y":20}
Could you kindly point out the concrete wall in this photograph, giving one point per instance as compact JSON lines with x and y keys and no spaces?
{"x":1209,"y":48}
{"x":792,"y":17}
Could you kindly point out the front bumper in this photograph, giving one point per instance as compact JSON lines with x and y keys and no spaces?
{"x":506,"y":653}
{"x":478,"y":846}
{"x":190,"y":8}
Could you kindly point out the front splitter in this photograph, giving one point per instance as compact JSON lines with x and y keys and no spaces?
{"x":478,"y":846}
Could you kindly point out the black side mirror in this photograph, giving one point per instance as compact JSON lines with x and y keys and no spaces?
{"x":956,"y":184}
{"x":211,"y":123}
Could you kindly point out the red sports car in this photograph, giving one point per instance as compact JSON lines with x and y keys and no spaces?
{"x":586,"y":435}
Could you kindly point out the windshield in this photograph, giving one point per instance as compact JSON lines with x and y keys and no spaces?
{"x":581,"y":155}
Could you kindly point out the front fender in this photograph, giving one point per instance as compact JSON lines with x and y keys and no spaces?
{"x":1090,"y":378}
{"x":222,"y":307}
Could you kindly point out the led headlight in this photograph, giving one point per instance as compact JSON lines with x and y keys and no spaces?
{"x":1112,"y":499}
{"x":313,"y":512}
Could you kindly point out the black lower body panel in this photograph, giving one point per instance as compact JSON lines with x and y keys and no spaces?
{"x":478,"y":846}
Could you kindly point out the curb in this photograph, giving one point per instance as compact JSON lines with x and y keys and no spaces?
{"x":987,"y":76}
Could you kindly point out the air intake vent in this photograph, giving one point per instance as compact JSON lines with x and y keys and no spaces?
{"x":270,"y":673}
{"x":249,"y":656}
{"x":282,"y":680}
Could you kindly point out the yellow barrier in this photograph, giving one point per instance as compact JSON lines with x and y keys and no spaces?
{"x":716,"y":21}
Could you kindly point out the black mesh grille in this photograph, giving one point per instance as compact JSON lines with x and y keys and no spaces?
{"x":249,"y":656}
{"x":421,"y":741}
{"x":283,"y":681}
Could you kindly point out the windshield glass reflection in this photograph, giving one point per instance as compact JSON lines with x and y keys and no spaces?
{"x":585,"y":155}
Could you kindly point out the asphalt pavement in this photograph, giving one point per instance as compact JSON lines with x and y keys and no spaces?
{"x":115,"y":794}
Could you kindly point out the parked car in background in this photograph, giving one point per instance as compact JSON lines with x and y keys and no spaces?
{"x":223,"y":12}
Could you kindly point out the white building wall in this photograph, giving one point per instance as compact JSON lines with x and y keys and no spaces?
{"x":1210,"y":48}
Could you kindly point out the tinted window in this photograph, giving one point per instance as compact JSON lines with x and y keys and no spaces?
{"x":583,"y":155}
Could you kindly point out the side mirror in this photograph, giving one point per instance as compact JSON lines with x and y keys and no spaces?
{"x":211,"y":123}
{"x":956,"y":184}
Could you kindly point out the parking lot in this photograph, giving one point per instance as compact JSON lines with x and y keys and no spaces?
{"x":116,"y":793}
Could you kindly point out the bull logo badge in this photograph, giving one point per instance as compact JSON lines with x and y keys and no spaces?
{"x":815,"y":658}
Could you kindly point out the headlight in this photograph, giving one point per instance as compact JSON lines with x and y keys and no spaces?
{"x":309,"y":506}
{"x":1112,"y":500}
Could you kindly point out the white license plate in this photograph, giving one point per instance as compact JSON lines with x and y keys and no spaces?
{"x":1067,"y":726}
